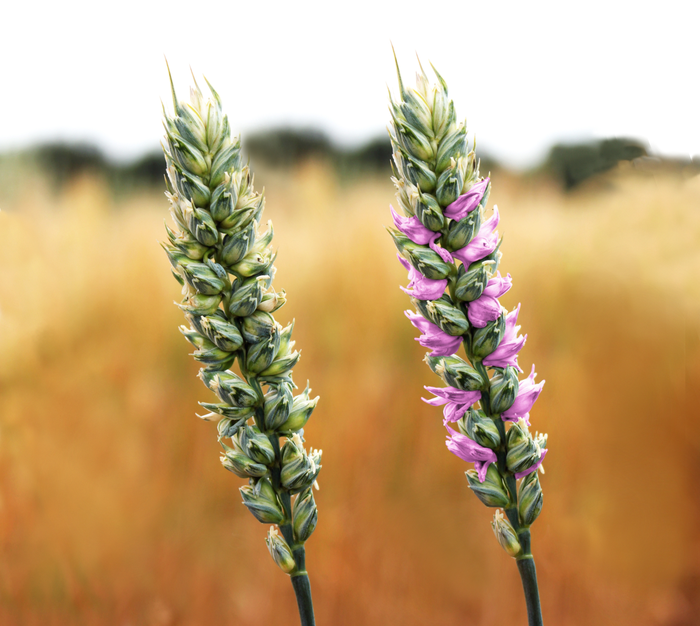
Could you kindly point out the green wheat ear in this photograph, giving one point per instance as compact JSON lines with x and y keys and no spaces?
{"x":225,"y":267}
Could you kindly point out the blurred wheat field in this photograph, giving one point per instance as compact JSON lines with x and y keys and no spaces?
{"x":114,"y":508}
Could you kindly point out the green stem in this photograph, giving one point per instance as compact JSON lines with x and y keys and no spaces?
{"x":302,"y":589}
{"x":528,"y":574}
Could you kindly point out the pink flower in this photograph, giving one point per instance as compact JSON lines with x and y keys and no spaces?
{"x":486,"y":307}
{"x":433,"y":337}
{"x":534,"y":468}
{"x":421,"y":287}
{"x":528,"y":392}
{"x":417,"y":233}
{"x":456,"y":402}
{"x":470,"y":451}
{"x":467,"y":202}
{"x":413,"y":229}
{"x":483,"y":244}
{"x":507,"y":351}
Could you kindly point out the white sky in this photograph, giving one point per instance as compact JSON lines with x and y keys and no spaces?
{"x":524,"y":73}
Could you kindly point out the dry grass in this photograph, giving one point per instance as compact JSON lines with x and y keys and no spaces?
{"x":114,"y":508}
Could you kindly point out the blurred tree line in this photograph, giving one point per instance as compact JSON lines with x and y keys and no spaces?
{"x":571,"y":164}
{"x":568,"y":164}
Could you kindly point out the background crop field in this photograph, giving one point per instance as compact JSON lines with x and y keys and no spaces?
{"x":114,"y":508}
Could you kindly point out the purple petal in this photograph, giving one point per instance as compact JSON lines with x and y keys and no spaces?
{"x":435,"y":401}
{"x":490,"y":224}
{"x":418,"y":321}
{"x":421,"y":287}
{"x":467,"y":202}
{"x":534,"y":468}
{"x":468,"y":450}
{"x":413,"y":229}
{"x":444,"y":254}
{"x":511,"y":324}
{"x":506,"y":354}
{"x":481,"y":467}
{"x":498,"y":285}
{"x":528,"y":392}
{"x":440,"y":345}
{"x":426,"y":289}
{"x":457,"y":401}
{"x":483,"y":310}
{"x":439,"y":341}
{"x":404,"y":262}
{"x":454,"y":411}
{"x":455,"y":395}
{"x":486,"y":308}
{"x":477,"y":248}
{"x":433,"y":338}
{"x":483,"y":244}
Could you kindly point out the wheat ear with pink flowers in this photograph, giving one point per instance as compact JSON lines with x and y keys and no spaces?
{"x":451,"y":252}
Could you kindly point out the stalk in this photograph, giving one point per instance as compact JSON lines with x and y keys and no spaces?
{"x":302,"y":589}
{"x":528,"y":574}
{"x":452,"y":253}
{"x":226,"y":268}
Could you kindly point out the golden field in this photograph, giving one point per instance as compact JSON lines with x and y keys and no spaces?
{"x":114,"y":508}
